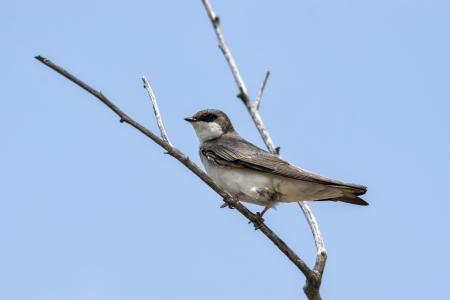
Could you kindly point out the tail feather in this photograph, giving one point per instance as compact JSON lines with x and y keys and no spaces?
{"x":352,"y":189}
{"x":353,"y":200}
{"x":350,"y":195}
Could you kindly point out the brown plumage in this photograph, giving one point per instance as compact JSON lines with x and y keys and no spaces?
{"x":224,"y":152}
{"x":228,"y":152}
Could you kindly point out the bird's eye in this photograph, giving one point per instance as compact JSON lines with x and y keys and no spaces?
{"x":207,"y":118}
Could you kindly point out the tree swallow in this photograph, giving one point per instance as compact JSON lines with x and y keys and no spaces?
{"x":253,"y":175}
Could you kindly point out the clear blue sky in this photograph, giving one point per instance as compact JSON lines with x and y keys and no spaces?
{"x":91,"y":209}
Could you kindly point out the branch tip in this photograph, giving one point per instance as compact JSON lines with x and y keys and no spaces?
{"x":40,"y":58}
{"x":261,"y":90}
{"x":158,"y":117}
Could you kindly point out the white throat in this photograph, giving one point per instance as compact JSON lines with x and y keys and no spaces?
{"x":207,"y":130}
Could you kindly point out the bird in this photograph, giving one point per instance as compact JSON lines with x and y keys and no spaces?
{"x":253,"y":175}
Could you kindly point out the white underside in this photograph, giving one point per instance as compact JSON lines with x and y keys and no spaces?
{"x":258,"y":187}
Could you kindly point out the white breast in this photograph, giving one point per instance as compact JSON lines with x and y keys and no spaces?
{"x":239,"y":180}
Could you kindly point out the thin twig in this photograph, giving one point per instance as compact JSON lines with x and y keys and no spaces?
{"x":312,"y":286}
{"x":243,"y":94}
{"x":321,"y":251}
{"x":177,"y":154}
{"x":223,"y":46}
{"x":261,"y":90}
{"x":156,"y":110}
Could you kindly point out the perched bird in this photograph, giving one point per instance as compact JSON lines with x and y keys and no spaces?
{"x":253,"y":175}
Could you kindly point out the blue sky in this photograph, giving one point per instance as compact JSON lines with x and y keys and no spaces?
{"x":91,"y":209}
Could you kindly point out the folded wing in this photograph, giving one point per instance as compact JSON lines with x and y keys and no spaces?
{"x":235,"y":152}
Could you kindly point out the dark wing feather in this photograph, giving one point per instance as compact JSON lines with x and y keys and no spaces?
{"x":233,"y":151}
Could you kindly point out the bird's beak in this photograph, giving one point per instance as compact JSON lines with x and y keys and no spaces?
{"x":190,"y":120}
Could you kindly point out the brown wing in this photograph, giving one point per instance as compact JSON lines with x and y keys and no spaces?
{"x":233,"y":151}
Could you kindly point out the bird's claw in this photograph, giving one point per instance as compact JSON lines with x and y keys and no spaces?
{"x":227,"y":205}
{"x":234,"y":200}
{"x":259,"y":222}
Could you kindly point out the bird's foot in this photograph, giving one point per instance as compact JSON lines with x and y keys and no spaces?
{"x":259,"y":222}
{"x":259,"y":218}
{"x":235,"y":200}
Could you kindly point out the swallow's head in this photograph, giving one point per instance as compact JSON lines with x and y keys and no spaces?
{"x":210,"y":124}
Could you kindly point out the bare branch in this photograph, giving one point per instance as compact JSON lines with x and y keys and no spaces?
{"x":223,"y":46}
{"x":312,"y":286}
{"x":156,"y":110}
{"x":261,"y":90}
{"x":243,"y":94}
{"x":177,"y":154}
